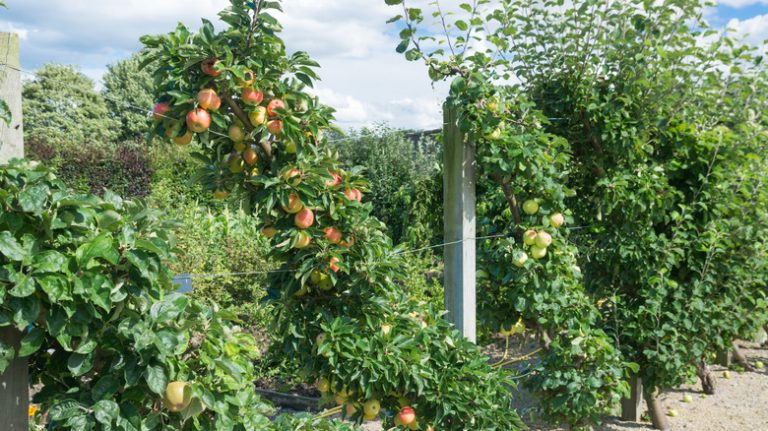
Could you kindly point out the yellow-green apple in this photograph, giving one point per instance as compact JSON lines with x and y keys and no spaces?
{"x":302,"y":240}
{"x":177,"y":396}
{"x":538,"y":252}
{"x":248,"y":79}
{"x":530,"y":207}
{"x":235,"y":163}
{"x":258,"y":116}
{"x":198,"y":120}
{"x":386,"y":329}
{"x":220,"y":194}
{"x":304,"y":218}
{"x":269,"y":231}
{"x":323,"y":385}
{"x":529,"y":237}
{"x":294,"y":204}
{"x":273,"y":106}
{"x":543,"y":239}
{"x":290,"y":147}
{"x":293,"y":176}
{"x":371,"y":409}
{"x":240,"y":147}
{"x":520,"y":258}
{"x":556,"y":220}
{"x":236,"y":133}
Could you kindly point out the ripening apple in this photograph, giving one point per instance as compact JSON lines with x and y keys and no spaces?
{"x":275,"y":127}
{"x":236,"y":133}
{"x":347,"y":243}
{"x":335,"y":179}
{"x":323,"y":385}
{"x":273,"y":106}
{"x":208,"y":100}
{"x":269,"y":231}
{"x":493,"y":105}
{"x":294,"y":204}
{"x":543,"y":239}
{"x":198,"y":120}
{"x":333,"y":235}
{"x":529,"y":237}
{"x":251,"y":96}
{"x":386,"y":329}
{"x":250,"y":156}
{"x":220,"y":194}
{"x":371,"y":409}
{"x":538,"y":252}
{"x":290,"y":147}
{"x":293,"y":176}
{"x":333,"y":264}
{"x":406,"y":416}
{"x":158,"y":112}
{"x":258,"y":117}
{"x":240,"y":147}
{"x":235,"y":163}
{"x":556,"y":220}
{"x":494,"y":135}
{"x":304,"y":218}
{"x":249,"y":78}
{"x":183,"y":139}
{"x":209,"y":67}
{"x":520,"y":258}
{"x":350,"y":410}
{"x":302,"y":240}
{"x":177,"y":397}
{"x":530,"y":207}
{"x":354,"y":194}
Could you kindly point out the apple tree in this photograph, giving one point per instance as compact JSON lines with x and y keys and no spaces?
{"x":341,"y":313}
{"x":665,"y":121}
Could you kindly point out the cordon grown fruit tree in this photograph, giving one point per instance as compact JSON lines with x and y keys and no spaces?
{"x":340,"y":308}
{"x":656,"y":124}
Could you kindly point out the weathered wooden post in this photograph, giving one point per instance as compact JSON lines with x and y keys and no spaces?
{"x":459,"y":225}
{"x":630,"y":407}
{"x":14,"y":382}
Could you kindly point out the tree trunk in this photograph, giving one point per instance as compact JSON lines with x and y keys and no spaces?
{"x":765,"y":343}
{"x":740,"y":359}
{"x":706,"y":377}
{"x":655,"y":410}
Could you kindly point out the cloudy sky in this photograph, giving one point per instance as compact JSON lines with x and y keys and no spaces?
{"x":363,"y":77}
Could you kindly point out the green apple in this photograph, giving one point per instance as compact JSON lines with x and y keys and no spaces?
{"x":529,"y":237}
{"x":672,"y":413}
{"x":759,"y":365}
{"x":543,"y":239}
{"x":530,"y":207}
{"x":556,"y":220}
{"x":520,"y":258}
{"x":726,"y":374}
{"x":538,"y":252}
{"x":687,"y":398}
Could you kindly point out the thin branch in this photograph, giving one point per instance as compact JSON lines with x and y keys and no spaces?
{"x":445,"y":27}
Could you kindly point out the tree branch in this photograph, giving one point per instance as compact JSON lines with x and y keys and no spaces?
{"x":511,"y":200}
{"x":238,"y":111}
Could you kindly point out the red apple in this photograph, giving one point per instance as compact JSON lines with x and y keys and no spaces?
{"x":294,"y":204}
{"x":407,"y":416}
{"x":198,"y":120}
{"x":333,"y":235}
{"x":275,"y":127}
{"x":354,"y":195}
{"x":332,"y":264}
{"x":304,"y":218}
{"x":209,"y":67}
{"x":336,"y":179}
{"x":158,"y":112}
{"x":349,"y":242}
{"x":273,"y":105}
{"x":251,"y":96}
{"x":208,"y":99}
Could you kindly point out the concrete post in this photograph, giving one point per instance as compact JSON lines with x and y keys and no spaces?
{"x":459,"y":219}
{"x":630,"y":407}
{"x":14,"y":382}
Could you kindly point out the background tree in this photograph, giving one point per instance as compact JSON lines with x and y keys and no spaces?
{"x":62,"y":106}
{"x":127,"y":88}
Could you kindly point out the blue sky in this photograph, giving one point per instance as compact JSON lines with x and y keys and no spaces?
{"x":363,"y":78}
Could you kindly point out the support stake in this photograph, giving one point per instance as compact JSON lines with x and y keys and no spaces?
{"x":630,"y":407}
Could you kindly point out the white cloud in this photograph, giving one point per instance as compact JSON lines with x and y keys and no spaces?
{"x":754,"y":30}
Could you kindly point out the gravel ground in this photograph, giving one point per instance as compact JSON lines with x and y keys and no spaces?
{"x":739,"y":403}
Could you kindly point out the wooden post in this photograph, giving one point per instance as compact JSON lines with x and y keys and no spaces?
{"x":630,"y":407}
{"x":459,"y":225}
{"x":723,"y":358}
{"x":11,"y":135}
{"x":14,"y":382}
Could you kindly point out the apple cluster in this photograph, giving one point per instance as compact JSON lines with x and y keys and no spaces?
{"x":537,"y":240}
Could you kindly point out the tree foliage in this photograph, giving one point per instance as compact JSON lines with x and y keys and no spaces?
{"x":62,"y":106}
{"x":128,"y":90}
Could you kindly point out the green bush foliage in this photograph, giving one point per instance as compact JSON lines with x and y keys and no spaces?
{"x":128,"y":95}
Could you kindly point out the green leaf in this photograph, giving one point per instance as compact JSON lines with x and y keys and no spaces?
{"x":32,"y":200}
{"x":7,"y":353}
{"x":403,"y":45}
{"x":106,"y":411}
{"x":79,"y":364}
{"x":65,"y":410}
{"x":461,"y":25}
{"x":10,"y":247}
{"x":5,"y":110}
{"x":393,"y":2}
{"x":101,"y":246}
{"x":156,"y":379}
{"x":32,"y":342}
